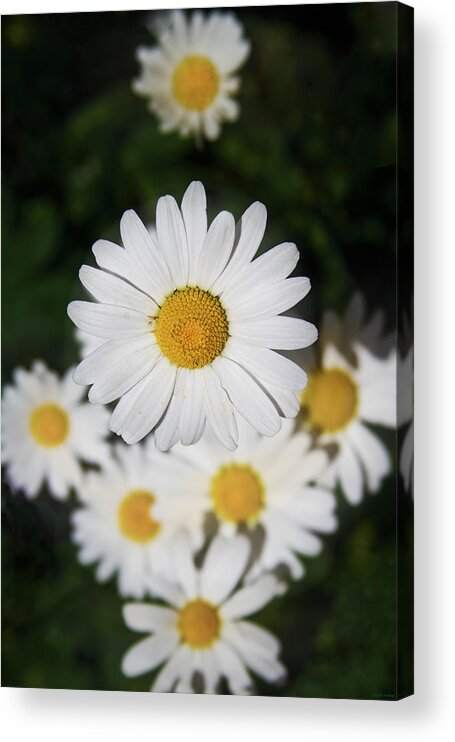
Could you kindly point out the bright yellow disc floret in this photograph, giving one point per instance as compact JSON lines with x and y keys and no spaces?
{"x":195,"y":82}
{"x":237,"y":493}
{"x":135,"y":518}
{"x":191,"y":327}
{"x":199,"y":624}
{"x":330,"y":400}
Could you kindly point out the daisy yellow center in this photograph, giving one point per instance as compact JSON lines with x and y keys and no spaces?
{"x":191,"y":327}
{"x":135,"y":518}
{"x":195,"y":82}
{"x":330,"y":400}
{"x":237,"y":493}
{"x":199,"y":624}
{"x":49,"y":425}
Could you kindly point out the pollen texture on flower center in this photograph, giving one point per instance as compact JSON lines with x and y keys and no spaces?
{"x":191,"y":327}
{"x":195,"y":82}
{"x":135,"y":519}
{"x":199,"y":624}
{"x":330,"y":400}
{"x":237,"y":493}
{"x":49,"y":425}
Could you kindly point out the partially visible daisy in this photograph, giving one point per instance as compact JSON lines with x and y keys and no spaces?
{"x":340,"y":402}
{"x":202,"y":631}
{"x":191,"y":324}
{"x":47,"y":431}
{"x":119,"y":526}
{"x":406,"y":416}
{"x":356,"y":326}
{"x":265,"y":487}
{"x":189,"y":78}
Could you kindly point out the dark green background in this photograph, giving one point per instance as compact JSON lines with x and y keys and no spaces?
{"x":316,"y":143}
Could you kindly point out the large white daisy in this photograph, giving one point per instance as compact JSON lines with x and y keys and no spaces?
{"x":191,"y":323}
{"x":189,"y":77}
{"x":202,"y":632}
{"x":341,"y":400}
{"x":118,"y":525}
{"x":266,"y":488}
{"x":47,"y":431}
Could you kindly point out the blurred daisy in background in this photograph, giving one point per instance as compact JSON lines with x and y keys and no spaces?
{"x":265,"y":487}
{"x":191,"y":324}
{"x":339,"y":403}
{"x":357,"y":325}
{"x":202,"y":632}
{"x":406,"y":416}
{"x":189,"y":77}
{"x":118,"y":525}
{"x":47,"y":432}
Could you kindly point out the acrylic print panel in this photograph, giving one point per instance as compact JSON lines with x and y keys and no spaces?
{"x":207,"y":305}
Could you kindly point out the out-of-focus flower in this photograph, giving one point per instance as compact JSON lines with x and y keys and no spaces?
{"x":189,"y":77}
{"x":356,"y":326}
{"x":406,"y":416}
{"x":203,"y":630}
{"x":119,"y":526}
{"x":267,"y":487}
{"x":192,"y":323}
{"x":339,"y":400}
{"x":47,"y":431}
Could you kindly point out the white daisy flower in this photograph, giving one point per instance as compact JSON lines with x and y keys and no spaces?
{"x":47,"y":431}
{"x":406,"y":416}
{"x":131,"y":514}
{"x":191,"y":324}
{"x":202,"y":631}
{"x":189,"y":77}
{"x":265,"y":487}
{"x":337,"y":403}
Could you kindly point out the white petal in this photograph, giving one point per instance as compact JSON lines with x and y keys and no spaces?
{"x":219,"y":410}
{"x":224,"y":564}
{"x":109,"y":289}
{"x":185,"y":571}
{"x":350,"y":473}
{"x":249,"y":233}
{"x":193,"y":416}
{"x":149,"y":653}
{"x":146,"y":404}
{"x":216,"y":249}
{"x":172,"y":239}
{"x":145,"y":617}
{"x":144,"y":254}
{"x":194,"y":211}
{"x":267,"y":300}
{"x":107,"y":320}
{"x":267,"y":364}
{"x":120,"y":356}
{"x":372,"y":452}
{"x":274,"y":265}
{"x":232,"y":667}
{"x":253,"y":597}
{"x":173,"y":670}
{"x":248,"y":397}
{"x":168,"y":430}
{"x":284,"y":333}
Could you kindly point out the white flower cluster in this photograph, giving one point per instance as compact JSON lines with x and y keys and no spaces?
{"x":203,"y":522}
